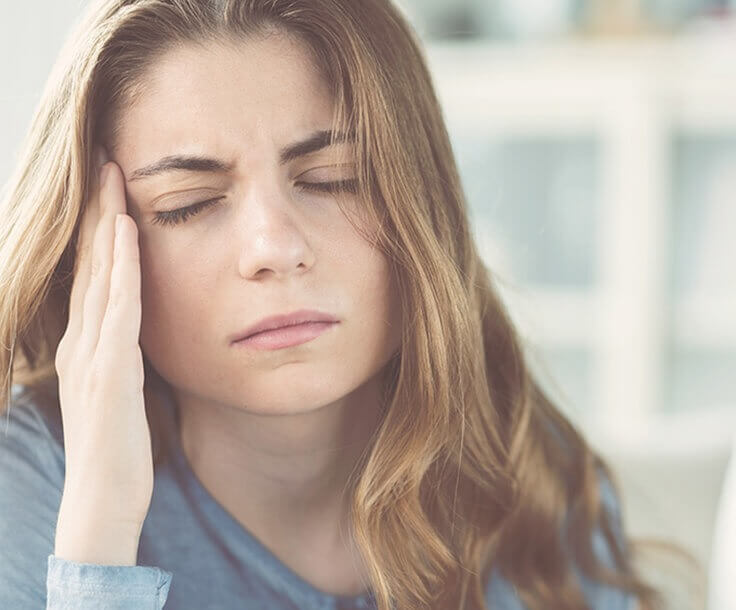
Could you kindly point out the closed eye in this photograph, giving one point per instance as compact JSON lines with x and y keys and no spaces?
{"x":181,"y":215}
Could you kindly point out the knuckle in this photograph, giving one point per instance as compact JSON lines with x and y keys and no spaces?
{"x":96,"y":375}
{"x":96,"y":267}
{"x":115,"y":304}
{"x":63,"y":350}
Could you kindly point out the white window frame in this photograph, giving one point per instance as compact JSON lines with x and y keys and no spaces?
{"x":631,"y":97}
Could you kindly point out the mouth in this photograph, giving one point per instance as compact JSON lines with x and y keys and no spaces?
{"x":286,"y":336}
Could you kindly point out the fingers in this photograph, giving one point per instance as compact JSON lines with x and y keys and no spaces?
{"x":122,"y":319}
{"x":87,"y":228}
{"x":106,"y":287}
{"x":111,"y":203}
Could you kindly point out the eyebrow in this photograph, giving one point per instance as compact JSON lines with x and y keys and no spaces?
{"x":197,"y":163}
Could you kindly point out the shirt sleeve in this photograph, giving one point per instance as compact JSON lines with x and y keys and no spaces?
{"x":85,"y":586}
{"x":31,"y":484}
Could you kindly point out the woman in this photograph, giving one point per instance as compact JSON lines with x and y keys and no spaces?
{"x":267,"y":157}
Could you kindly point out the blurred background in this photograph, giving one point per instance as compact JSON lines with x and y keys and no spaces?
{"x":597,"y":144}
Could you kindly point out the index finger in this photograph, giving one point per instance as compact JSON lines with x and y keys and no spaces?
{"x":83,"y":258}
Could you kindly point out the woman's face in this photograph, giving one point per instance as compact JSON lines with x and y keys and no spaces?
{"x":266,"y":247}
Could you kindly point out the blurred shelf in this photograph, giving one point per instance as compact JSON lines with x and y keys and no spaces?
{"x":560,"y":318}
{"x":705,"y":321}
{"x":561,"y":85}
{"x":699,"y":431}
{"x":554,"y":318}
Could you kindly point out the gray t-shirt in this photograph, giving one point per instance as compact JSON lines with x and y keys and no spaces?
{"x":192,"y":554}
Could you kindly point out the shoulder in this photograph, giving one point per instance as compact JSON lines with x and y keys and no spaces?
{"x":602,"y":595}
{"x":33,"y":419}
{"x":31,"y":484}
{"x":502,"y":595}
{"x":599,"y":595}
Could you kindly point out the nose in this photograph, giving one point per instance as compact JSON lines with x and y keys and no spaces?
{"x":272,"y":235}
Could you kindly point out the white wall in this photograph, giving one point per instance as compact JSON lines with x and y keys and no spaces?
{"x":31,"y":34}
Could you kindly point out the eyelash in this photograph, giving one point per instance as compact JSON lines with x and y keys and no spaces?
{"x":183,"y":214}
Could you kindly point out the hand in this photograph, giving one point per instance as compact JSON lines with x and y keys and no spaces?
{"x":107,"y":441}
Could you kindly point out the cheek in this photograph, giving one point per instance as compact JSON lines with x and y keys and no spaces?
{"x":375,"y":294}
{"x":173,"y":299}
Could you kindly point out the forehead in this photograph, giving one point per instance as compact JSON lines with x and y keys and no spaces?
{"x":208,"y":94}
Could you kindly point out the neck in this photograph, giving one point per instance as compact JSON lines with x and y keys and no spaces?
{"x":285,"y":478}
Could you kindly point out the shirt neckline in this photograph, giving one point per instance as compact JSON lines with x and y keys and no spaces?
{"x":269,"y":565}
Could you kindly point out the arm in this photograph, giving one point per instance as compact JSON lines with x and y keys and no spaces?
{"x":31,"y":578}
{"x":94,"y":564}
{"x":108,"y":482}
{"x":501,"y":593}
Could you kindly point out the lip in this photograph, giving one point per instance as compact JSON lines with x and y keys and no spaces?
{"x":294,"y":318}
{"x":285,"y":336}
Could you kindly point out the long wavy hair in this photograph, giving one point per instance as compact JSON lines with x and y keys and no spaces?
{"x":472,"y":467}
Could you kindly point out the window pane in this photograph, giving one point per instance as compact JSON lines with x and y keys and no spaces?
{"x":700,"y":365}
{"x":534,"y":205}
{"x":701,"y":378}
{"x":565,"y":374}
{"x":704,"y":215}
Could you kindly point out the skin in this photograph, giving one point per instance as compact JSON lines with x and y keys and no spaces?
{"x":272,"y":435}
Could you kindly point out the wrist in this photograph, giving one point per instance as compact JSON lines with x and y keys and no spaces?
{"x":92,"y":536}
